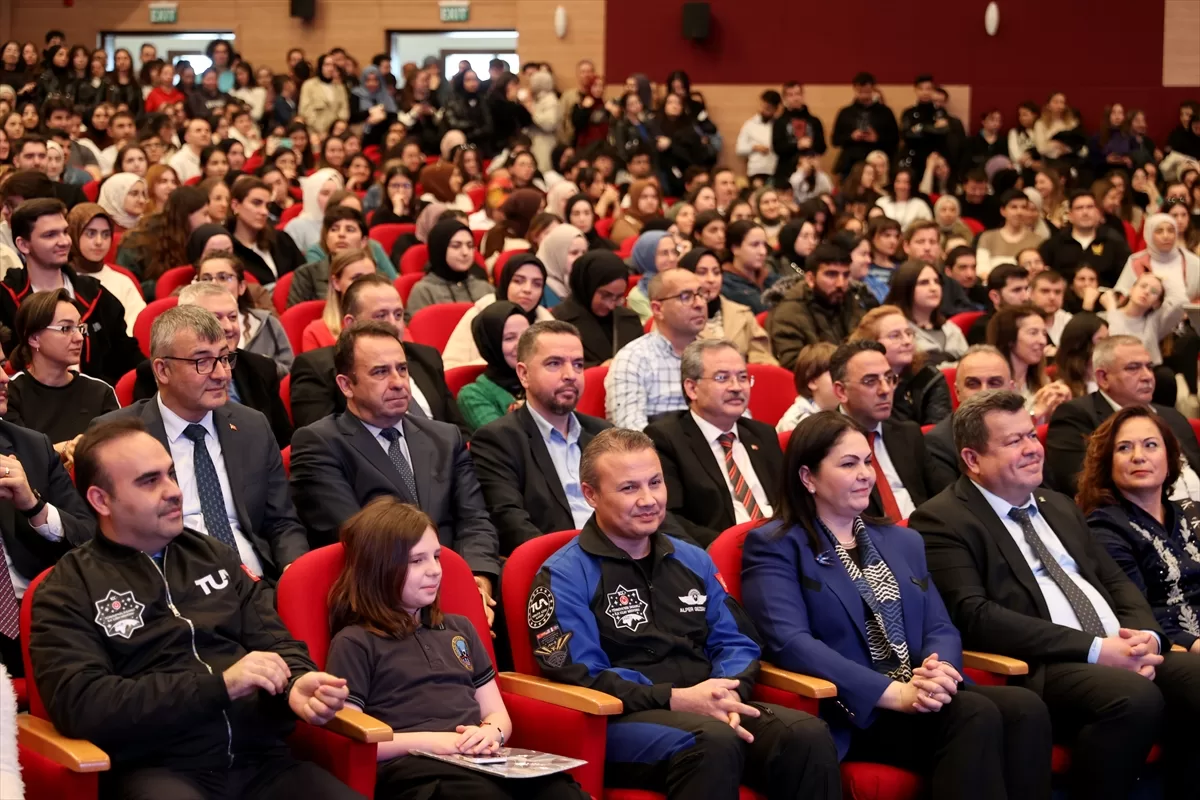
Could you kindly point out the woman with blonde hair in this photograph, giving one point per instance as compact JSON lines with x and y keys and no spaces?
{"x":161,"y":180}
{"x":1057,"y":117}
{"x":345,"y":267}
{"x":922,"y":394}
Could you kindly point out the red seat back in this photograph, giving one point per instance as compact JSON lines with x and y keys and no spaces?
{"x":173,"y":279}
{"x":296,"y":319}
{"x":1042,"y":432}
{"x":519,"y":571}
{"x":124,"y":388}
{"x":141,"y":325}
{"x":975,"y":225}
{"x":432,"y":325}
{"x":117,"y":235}
{"x":279,"y":294}
{"x":773,"y":393}
{"x":36,"y":707}
{"x":761,"y":318}
{"x":965,"y":320}
{"x":458,"y":377}
{"x":951,"y":374}
{"x":726,"y":553}
{"x":1195,"y":428}
{"x":91,"y":190}
{"x":626,"y":248}
{"x":591,"y":401}
{"x":414,"y":259}
{"x":289,"y":214}
{"x":632,"y":283}
{"x":286,"y":455}
{"x":285,"y":394}
{"x":477,"y":194}
{"x":388,"y":233}
{"x":405,"y":283}
{"x":501,"y":260}
{"x":784,"y":438}
{"x":478,"y":236}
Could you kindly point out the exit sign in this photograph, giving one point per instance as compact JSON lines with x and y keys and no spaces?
{"x":454,"y":12}
{"x":164,"y":13}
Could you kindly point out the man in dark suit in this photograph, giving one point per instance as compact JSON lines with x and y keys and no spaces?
{"x":315,"y":393}
{"x":41,"y":517}
{"x":226,"y":461}
{"x":1022,"y":576}
{"x":1125,"y":375}
{"x":254,"y":381}
{"x":864,"y":383}
{"x":721,"y":468}
{"x":376,"y":447}
{"x":528,"y":461}
{"x":982,"y":368}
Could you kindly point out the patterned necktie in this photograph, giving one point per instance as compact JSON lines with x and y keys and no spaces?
{"x":208,"y":486}
{"x":890,"y":507}
{"x":396,"y":454}
{"x":741,"y":489}
{"x":1085,"y":612}
{"x":10,"y":607}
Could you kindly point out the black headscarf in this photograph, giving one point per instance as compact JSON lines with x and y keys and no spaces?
{"x":506,"y":276}
{"x":592,"y":270}
{"x":439,"y":242}
{"x":690,"y":261}
{"x":488,"y":331}
{"x":595,"y":241}
{"x":200,"y":237}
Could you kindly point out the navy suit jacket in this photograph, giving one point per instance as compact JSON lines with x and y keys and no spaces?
{"x":813,"y":620}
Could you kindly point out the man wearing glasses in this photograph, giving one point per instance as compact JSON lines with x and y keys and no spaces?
{"x":227,"y":463}
{"x":721,"y":468}
{"x":644,"y":378}
{"x":864,"y":384}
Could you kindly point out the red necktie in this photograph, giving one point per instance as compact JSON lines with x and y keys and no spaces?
{"x":10,"y":607}
{"x":741,"y":489}
{"x":890,"y":506}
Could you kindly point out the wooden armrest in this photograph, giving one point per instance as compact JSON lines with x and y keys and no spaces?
{"x":1178,"y":648}
{"x":77,"y":755}
{"x":803,"y":685}
{"x":990,"y":662}
{"x":577,"y":698}
{"x":359,"y":727}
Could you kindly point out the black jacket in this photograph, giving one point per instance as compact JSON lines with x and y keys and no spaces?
{"x":597,"y":347}
{"x":1107,"y":253}
{"x":131,"y":658}
{"x":284,"y":253}
{"x":922,"y":397}
{"x":108,"y":351}
{"x":922,"y":136}
{"x":697,"y":492}
{"x":879,"y":118}
{"x":906,"y":447}
{"x":257,"y":383}
{"x":315,"y":393}
{"x":787,"y":130}
{"x":943,"y":458}
{"x":474,"y":119}
{"x":127,"y":94}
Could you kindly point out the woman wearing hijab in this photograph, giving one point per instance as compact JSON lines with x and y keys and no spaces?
{"x":596,"y":306}
{"x":579,"y":212}
{"x":55,"y":79}
{"x":519,"y":210}
{"x":645,"y":202}
{"x":443,"y":183}
{"x":496,"y":331}
{"x":557,"y":196}
{"x":654,"y":252}
{"x":123,"y":197}
{"x":467,"y":111}
{"x":370,"y":93}
{"x":727,"y":319}
{"x":305,"y":229}
{"x":323,"y":98}
{"x":522,"y":281}
{"x":91,"y":237}
{"x":1164,"y":254}
{"x":559,"y":251}
{"x":449,"y":280}
{"x":213,"y":238}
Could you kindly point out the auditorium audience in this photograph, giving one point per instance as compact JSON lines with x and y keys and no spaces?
{"x":814,"y":387}
{"x":266,"y":253}
{"x":451,"y":256}
{"x":917,"y":292}
{"x":1019,"y":333}
{"x":1074,"y":357}
{"x":160,"y":240}
{"x":260,"y":331}
{"x":344,"y":269}
{"x":653,"y":252}
{"x":522,"y":281}
{"x":91,"y":233}
{"x":558,"y":252}
{"x":727,"y":319}
{"x":318,"y":188}
{"x":596,"y":306}
{"x":497,"y":391}
{"x":1006,"y":243}
{"x":983,"y":368}
{"x":1085,"y":239}
{"x":921,"y":394}
{"x":1047,"y":293}
{"x":747,"y":271}
{"x":818,"y":309}
{"x":1007,"y":285}
{"x":1165,"y":255}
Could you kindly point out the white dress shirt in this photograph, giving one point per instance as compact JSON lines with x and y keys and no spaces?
{"x":186,"y":164}
{"x":51,"y":531}
{"x":1187,"y":486}
{"x":183,"y":453}
{"x":711,"y":433}
{"x":903,"y":499}
{"x":385,"y":443}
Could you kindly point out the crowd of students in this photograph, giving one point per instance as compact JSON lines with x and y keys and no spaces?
{"x":1038,"y":282}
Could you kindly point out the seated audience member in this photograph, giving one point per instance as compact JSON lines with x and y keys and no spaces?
{"x":1047,"y":293}
{"x":376,"y":447}
{"x":558,"y":252}
{"x":114,"y":669}
{"x":1124,"y":377}
{"x":884,"y":234}
{"x":315,"y":393}
{"x":921,"y":394}
{"x":48,"y":394}
{"x":727,"y":319}
{"x":959,"y":268}
{"x":653,"y":252}
{"x":347,"y":208}
{"x":259,"y":330}
{"x":346,"y":267}
{"x":747,"y":272}
{"x":342,"y":229}
{"x":123,"y":198}
{"x":253,"y":380}
{"x":1074,"y":357}
{"x":91,"y":233}
{"x":1022,"y":576}
{"x":1165,"y":254}
{"x":512,"y":231}
{"x":1084,"y":292}
{"x":1019,"y":332}
{"x":901,"y":202}
{"x":814,"y":387}
{"x":687,"y":725}
{"x":1007,"y":285}
{"x":40,"y":231}
{"x":449,"y":279}
{"x":596,"y":307}
{"x":305,"y":229}
{"x":266,"y":253}
{"x":982,"y":369}
{"x":643,"y":380}
{"x":864,"y":383}
{"x":528,"y":461}
{"x":818,"y":309}
{"x":643,"y":202}
{"x":494,"y":393}
{"x":1151,"y":312}
{"x":1132,"y":462}
{"x":917,"y":291}
{"x":160,"y":241}
{"x":522,"y":281}
{"x":242,"y":499}
{"x":977,"y":203}
{"x":580,"y":213}
{"x":1085,"y":238}
{"x":385,"y":594}
{"x":721,"y":468}
{"x":904,"y":676}
{"x":1005,"y":244}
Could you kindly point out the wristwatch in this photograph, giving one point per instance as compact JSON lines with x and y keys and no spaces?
{"x":37,"y":507}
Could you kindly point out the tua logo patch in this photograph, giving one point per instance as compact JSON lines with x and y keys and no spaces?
{"x":210,"y":585}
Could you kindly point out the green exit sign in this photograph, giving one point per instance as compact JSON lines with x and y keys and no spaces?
{"x":455,"y":12}
{"x":164,"y":13}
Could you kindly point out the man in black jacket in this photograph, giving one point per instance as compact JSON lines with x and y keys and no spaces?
{"x":152,"y":642}
{"x":924,"y":127}
{"x":40,"y":233}
{"x":866,"y":124}
{"x":1085,"y":240}
{"x":315,"y":394}
{"x":721,"y":468}
{"x":794,"y":133}
{"x":982,"y":368}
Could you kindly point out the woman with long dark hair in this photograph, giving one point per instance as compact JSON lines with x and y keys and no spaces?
{"x":677,"y":142}
{"x":266,"y":253}
{"x":124,"y":89}
{"x":1073,"y":360}
{"x":468,"y":112}
{"x":579,"y":212}
{"x":159,"y":241}
{"x":917,"y":292}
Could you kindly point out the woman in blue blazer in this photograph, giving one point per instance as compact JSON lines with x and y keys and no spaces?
{"x":850,"y":600}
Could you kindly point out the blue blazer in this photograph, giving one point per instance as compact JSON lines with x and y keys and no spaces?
{"x":812,"y":619}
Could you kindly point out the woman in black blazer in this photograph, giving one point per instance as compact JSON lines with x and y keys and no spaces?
{"x":598,"y":281}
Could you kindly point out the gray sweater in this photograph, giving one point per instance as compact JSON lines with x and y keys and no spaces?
{"x":433,"y":289}
{"x":271,"y":341}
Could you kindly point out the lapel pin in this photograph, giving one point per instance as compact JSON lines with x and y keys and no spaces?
{"x":753,"y":447}
{"x":1041,"y":499}
{"x":232,"y":427}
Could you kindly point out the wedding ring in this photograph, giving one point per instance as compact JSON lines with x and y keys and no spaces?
{"x":6,"y":471}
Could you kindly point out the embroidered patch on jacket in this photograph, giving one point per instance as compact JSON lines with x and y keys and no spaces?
{"x":540,"y":608}
{"x":553,"y":650}
{"x":459,"y":645}
{"x":119,"y":613}
{"x":693,"y":601}
{"x":627,"y":609}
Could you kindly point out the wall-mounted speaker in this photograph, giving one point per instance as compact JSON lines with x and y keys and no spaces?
{"x":305,"y":9}
{"x":696,"y":20}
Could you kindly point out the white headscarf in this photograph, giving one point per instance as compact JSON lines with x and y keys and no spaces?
{"x":553,"y":254}
{"x":311,"y":187}
{"x":112,"y":198}
{"x":1158,"y":256}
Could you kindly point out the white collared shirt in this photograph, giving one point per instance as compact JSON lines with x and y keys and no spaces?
{"x":377,"y":433}
{"x":903,"y":499}
{"x":186,"y":164}
{"x":51,"y":531}
{"x":1187,"y":485}
{"x":183,"y":453}
{"x":711,"y":433}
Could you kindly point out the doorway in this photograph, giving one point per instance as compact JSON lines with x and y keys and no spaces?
{"x":178,"y":47}
{"x":451,"y":47}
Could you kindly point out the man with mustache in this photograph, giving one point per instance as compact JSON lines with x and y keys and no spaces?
{"x":818,"y":309}
{"x":721,"y":468}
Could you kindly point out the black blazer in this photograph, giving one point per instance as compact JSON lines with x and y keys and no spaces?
{"x":1074,"y":422}
{"x":518,"y":478}
{"x":696,"y":490}
{"x":338,"y":467}
{"x":991,"y":592}
{"x":30,"y":551}
{"x":257,"y":383}
{"x":942,"y":457}
{"x":284,"y":253}
{"x":315,"y":393}
{"x":256,"y":477}
{"x":906,"y":447}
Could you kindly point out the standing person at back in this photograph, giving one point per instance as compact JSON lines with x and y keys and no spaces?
{"x":865,"y":125}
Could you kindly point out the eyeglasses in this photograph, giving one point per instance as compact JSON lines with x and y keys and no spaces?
{"x":686,"y":297}
{"x":899,"y":335}
{"x":81,"y":329}
{"x":205,"y":366}
{"x":609,"y":297}
{"x":872,"y":381}
{"x":724,"y":378}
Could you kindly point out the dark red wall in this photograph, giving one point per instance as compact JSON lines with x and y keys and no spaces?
{"x":1097,"y":51}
